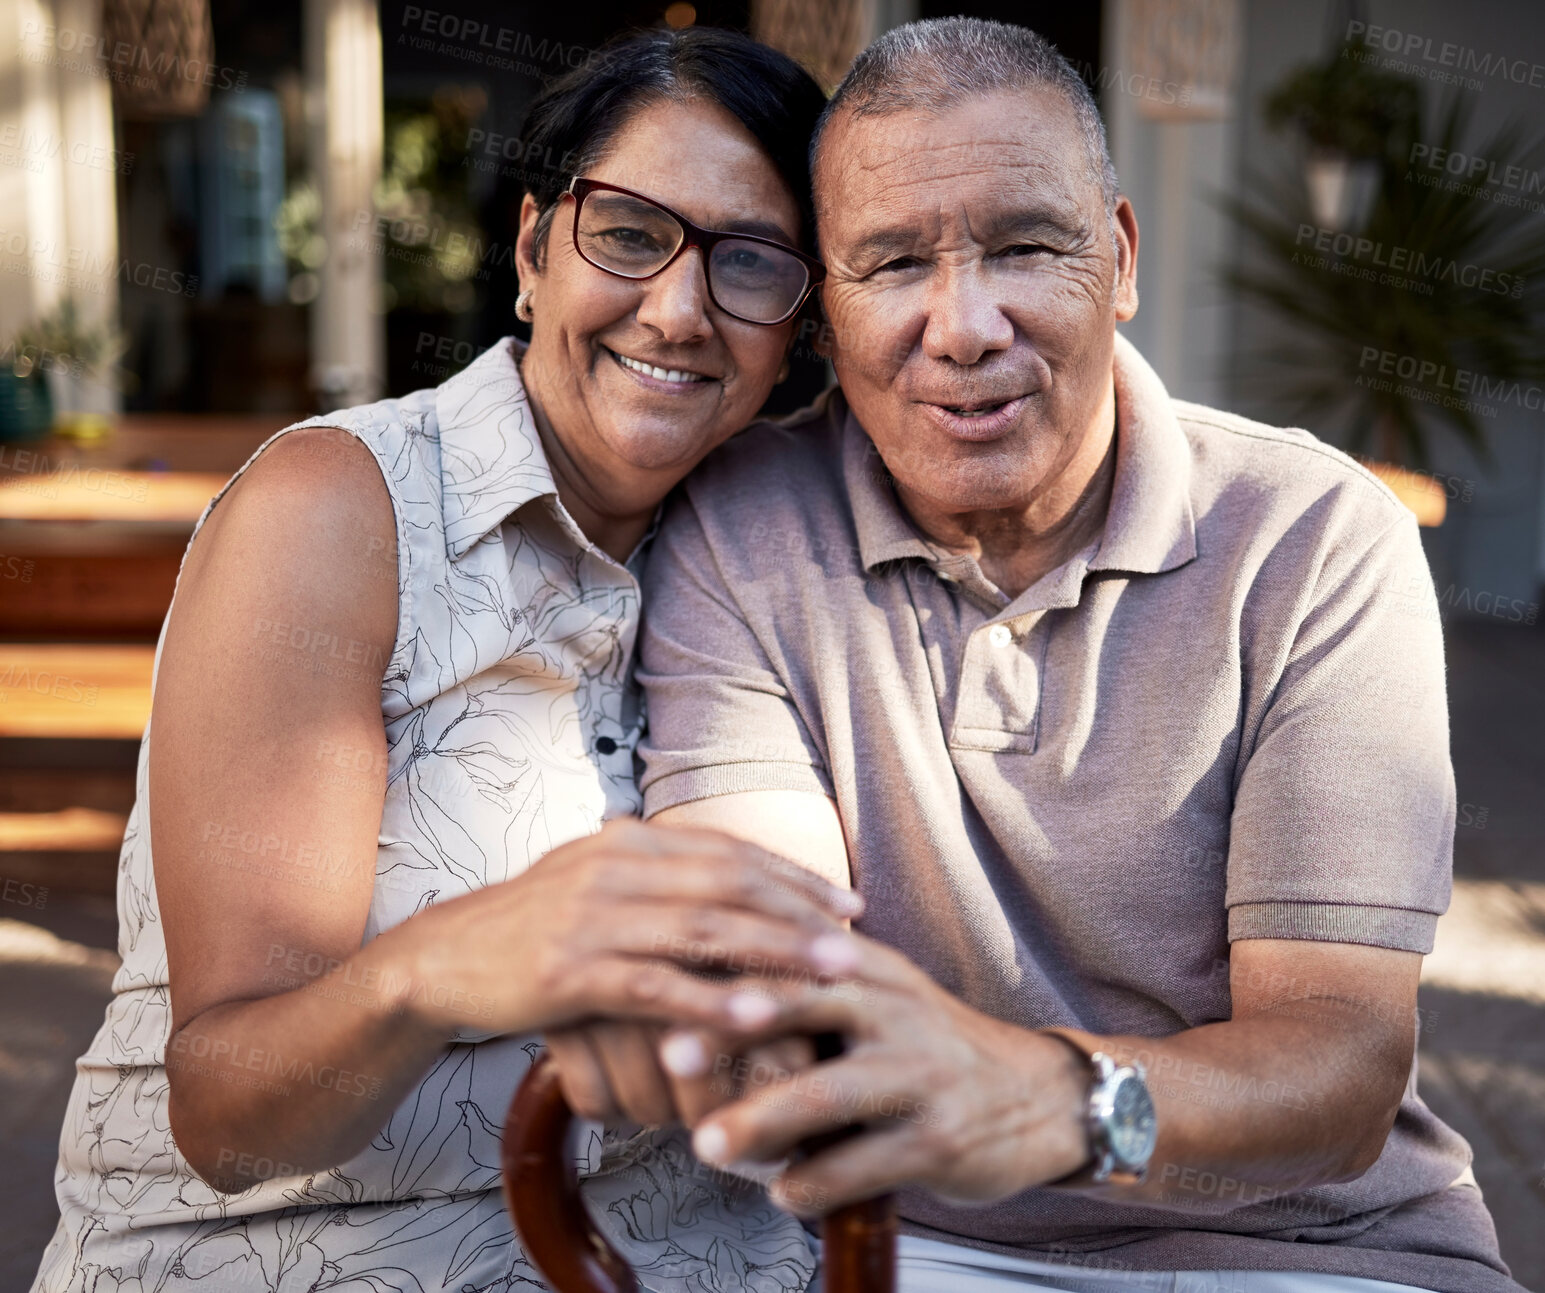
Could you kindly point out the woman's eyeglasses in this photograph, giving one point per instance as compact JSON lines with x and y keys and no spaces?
{"x":752,"y":279}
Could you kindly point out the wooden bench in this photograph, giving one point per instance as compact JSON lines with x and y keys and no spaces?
{"x":91,"y":538}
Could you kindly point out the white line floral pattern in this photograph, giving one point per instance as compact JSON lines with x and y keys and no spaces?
{"x":511,"y":720}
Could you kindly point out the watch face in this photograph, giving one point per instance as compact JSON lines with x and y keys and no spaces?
{"x":1133,"y":1127}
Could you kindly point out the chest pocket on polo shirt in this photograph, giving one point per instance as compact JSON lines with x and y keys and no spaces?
{"x":998,"y":693}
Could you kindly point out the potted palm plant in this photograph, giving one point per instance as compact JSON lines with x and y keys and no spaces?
{"x":1434,"y":281}
{"x":1345,"y":110}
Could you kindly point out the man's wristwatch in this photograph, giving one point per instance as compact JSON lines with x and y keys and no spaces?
{"x":1119,"y":1118}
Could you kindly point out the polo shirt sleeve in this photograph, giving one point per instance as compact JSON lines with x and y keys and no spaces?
{"x":1343,"y":821}
{"x":721,"y":720}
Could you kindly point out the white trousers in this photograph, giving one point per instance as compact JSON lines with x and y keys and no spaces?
{"x":929,"y":1266}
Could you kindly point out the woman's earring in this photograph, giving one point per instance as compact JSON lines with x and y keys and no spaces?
{"x":523,"y":310}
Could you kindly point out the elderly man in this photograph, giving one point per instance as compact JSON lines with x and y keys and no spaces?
{"x":1125,"y":716}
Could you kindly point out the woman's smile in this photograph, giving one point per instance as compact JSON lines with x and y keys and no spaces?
{"x":661,"y":377}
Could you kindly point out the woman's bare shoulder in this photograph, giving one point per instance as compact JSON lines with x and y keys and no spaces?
{"x":309,"y":529}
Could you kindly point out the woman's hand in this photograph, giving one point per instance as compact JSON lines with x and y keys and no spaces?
{"x":613,"y":1069}
{"x":614,"y":925}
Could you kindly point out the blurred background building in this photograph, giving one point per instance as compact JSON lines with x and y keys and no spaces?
{"x":219,"y":215}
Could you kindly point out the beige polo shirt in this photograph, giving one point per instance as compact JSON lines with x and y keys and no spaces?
{"x":1224,"y":719}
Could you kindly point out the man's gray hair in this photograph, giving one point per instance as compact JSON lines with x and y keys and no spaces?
{"x":935,"y":63}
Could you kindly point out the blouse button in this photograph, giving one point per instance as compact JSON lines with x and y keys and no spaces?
{"x":605,"y":745}
{"x":999,"y":635}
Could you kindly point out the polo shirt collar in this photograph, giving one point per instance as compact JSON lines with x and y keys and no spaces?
{"x":491,"y":458}
{"x":1150,"y":527}
{"x":884,"y":531}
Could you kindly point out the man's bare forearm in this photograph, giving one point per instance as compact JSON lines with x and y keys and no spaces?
{"x":1252,"y":1109}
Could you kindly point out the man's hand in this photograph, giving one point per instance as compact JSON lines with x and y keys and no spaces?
{"x":952,"y":1099}
{"x":613,"y":1069}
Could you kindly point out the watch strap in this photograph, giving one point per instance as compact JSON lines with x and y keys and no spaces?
{"x":1099,"y":1168}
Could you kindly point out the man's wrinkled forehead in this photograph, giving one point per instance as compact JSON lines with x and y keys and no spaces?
{"x":1025,"y":143}
{"x":865,"y":158}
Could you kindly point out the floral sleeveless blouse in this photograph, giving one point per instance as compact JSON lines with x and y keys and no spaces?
{"x":511,"y":720}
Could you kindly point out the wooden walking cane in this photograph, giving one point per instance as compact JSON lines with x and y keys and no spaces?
{"x":858,"y":1242}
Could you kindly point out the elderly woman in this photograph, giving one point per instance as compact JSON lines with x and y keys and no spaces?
{"x":394,"y":706}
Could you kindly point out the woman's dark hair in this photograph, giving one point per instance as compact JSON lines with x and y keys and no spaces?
{"x":572,"y":123}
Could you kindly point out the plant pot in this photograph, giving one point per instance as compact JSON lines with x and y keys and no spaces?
{"x":26,"y":408}
{"x":1341,"y":188}
{"x":83,"y":404}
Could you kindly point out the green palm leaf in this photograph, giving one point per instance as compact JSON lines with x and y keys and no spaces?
{"x":1442,"y":281}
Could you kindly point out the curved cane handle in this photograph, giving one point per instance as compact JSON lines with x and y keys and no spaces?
{"x":543,"y":1197}
{"x":555,"y":1229}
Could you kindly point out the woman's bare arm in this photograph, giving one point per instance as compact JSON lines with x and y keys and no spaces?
{"x":267,"y":776}
{"x":290,"y":1042}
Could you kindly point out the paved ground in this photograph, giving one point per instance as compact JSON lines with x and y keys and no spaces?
{"x":1483,"y":1057}
{"x":1483,"y":995}
{"x":56,"y":969}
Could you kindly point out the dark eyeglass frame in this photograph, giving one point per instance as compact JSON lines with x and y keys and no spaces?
{"x":694,"y":236}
